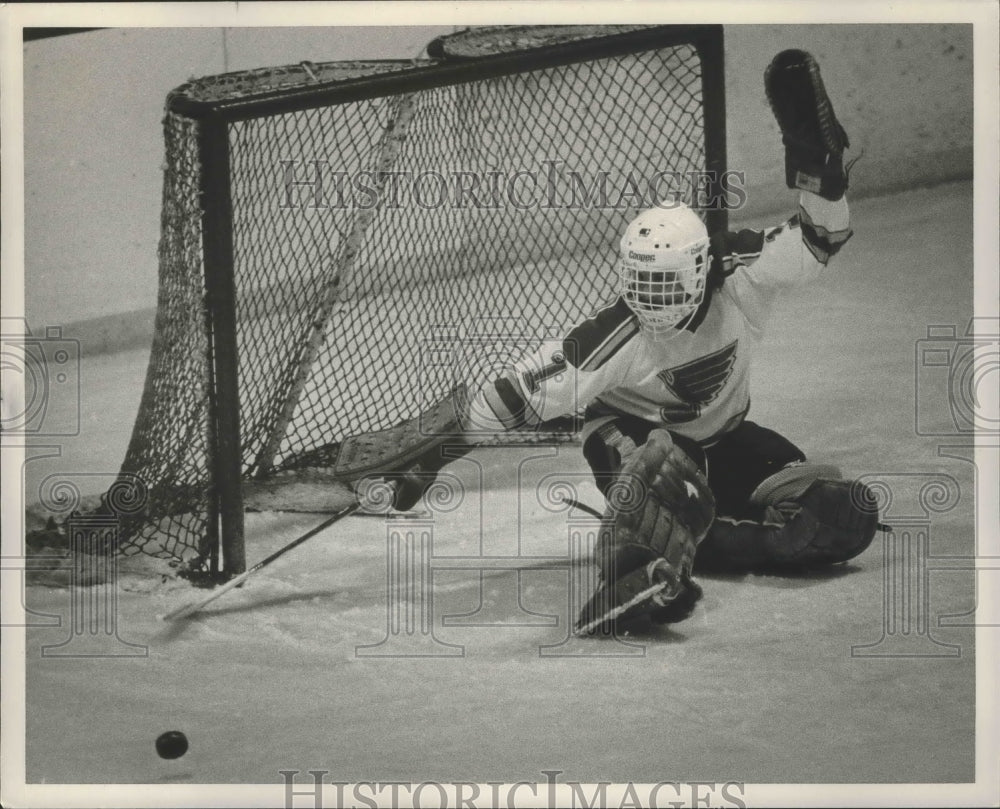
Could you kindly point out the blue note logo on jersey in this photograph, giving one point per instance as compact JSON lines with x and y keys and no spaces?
{"x":697,"y":383}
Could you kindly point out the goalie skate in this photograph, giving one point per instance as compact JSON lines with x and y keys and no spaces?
{"x":650,"y":590}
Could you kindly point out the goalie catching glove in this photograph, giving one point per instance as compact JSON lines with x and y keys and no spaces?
{"x":813,"y":137}
{"x":659,"y":509}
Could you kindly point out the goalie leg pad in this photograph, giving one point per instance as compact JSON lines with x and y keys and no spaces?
{"x":808,"y":521}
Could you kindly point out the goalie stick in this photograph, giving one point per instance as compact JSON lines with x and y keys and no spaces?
{"x":607,"y":618}
{"x":190,"y":609}
{"x":593,"y":512}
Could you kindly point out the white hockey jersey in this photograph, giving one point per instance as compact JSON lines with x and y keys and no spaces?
{"x":695,"y":383}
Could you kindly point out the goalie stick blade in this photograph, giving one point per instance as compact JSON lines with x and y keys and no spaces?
{"x":633,"y":607}
{"x":654,"y":589}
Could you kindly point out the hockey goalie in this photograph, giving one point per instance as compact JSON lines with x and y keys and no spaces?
{"x":690,"y":482}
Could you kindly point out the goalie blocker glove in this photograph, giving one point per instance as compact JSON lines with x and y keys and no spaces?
{"x":813,"y":137}
{"x":440,"y":433}
{"x":411,"y":484}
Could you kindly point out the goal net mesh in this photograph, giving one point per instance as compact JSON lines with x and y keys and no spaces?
{"x":387,"y":248}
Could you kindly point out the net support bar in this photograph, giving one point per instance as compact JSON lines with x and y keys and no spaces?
{"x":713,"y":81}
{"x":220,"y":293}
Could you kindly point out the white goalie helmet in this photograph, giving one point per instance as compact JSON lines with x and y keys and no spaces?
{"x":663,"y":268}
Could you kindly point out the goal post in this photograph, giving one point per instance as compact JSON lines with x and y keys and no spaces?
{"x":343,"y":243}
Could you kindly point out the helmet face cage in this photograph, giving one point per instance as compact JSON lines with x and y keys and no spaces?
{"x":663,"y":269}
{"x":663,"y":300}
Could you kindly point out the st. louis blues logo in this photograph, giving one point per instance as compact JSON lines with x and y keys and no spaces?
{"x":697,"y":383}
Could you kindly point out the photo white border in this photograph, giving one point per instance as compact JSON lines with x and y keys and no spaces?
{"x":984,"y":14}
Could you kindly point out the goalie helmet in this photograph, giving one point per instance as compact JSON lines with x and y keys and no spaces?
{"x":663,"y":268}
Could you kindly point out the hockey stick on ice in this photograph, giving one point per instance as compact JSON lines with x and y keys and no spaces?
{"x":191,"y":609}
{"x":593,"y":512}
{"x":611,"y":615}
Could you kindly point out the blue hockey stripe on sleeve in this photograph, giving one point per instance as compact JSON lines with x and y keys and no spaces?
{"x":821,"y":255}
{"x":606,"y":350}
{"x":822,"y":243}
{"x":728,"y":250}
{"x":596,"y":340}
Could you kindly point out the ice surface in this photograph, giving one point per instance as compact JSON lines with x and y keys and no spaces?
{"x":760,"y":685}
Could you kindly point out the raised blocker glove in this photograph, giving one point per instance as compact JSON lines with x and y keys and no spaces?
{"x":813,"y":137}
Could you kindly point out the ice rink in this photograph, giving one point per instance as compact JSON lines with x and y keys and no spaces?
{"x":864,"y":674}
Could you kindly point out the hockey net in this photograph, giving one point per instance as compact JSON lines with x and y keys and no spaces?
{"x":397,"y":228}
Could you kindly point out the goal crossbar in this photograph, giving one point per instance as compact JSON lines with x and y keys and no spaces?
{"x":289,"y":327}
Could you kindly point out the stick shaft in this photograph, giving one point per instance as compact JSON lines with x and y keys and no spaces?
{"x":569,"y":501}
{"x":191,"y":609}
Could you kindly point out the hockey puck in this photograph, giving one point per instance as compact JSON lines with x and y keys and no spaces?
{"x":172,"y":744}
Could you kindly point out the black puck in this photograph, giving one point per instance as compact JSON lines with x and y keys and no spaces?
{"x":172,"y":744}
